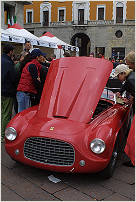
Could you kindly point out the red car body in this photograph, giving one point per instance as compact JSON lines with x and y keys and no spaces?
{"x":56,"y":134}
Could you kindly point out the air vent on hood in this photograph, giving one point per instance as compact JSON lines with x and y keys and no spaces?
{"x":61,"y":117}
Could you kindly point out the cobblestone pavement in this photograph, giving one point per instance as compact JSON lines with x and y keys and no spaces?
{"x":24,"y":183}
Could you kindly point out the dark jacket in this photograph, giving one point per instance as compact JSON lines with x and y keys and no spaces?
{"x":43,"y":74}
{"x":129,"y":84}
{"x":8,"y":77}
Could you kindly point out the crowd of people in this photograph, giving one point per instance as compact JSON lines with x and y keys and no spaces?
{"x":23,"y":77}
{"x":124,"y":70}
{"x":126,"y":73}
{"x":22,"y":80}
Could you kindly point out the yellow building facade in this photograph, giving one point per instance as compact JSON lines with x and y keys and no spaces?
{"x":130,"y":14}
{"x":93,"y":26}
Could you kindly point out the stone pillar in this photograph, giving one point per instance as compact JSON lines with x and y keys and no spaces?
{"x":3,"y":26}
{"x":19,"y":14}
{"x":108,"y":52}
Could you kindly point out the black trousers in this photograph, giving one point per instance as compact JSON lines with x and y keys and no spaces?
{"x":35,"y":99}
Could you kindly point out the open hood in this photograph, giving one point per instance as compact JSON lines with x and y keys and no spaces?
{"x":73,"y":88}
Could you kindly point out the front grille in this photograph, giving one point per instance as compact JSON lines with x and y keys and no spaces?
{"x":49,"y":151}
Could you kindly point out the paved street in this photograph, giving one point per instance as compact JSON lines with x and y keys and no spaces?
{"x":24,"y":183}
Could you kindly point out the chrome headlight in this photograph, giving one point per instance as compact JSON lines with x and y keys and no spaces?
{"x":10,"y":133}
{"x":97,"y":146}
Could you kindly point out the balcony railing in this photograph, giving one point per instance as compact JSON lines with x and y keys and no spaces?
{"x":66,"y":23}
{"x":91,"y":23}
{"x":100,"y":22}
{"x":86,"y":23}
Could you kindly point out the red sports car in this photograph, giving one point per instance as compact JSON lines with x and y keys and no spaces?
{"x":77,"y":127}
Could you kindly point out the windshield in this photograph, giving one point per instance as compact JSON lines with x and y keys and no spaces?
{"x":108,"y":94}
{"x":112,"y":73}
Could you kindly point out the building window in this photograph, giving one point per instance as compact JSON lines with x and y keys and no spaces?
{"x":29,"y":16}
{"x":80,"y":16}
{"x":100,"y":12}
{"x":45,"y":13}
{"x":119,"y":14}
{"x":80,"y":12}
{"x":118,"y":53}
{"x":9,"y":11}
{"x":118,"y":34}
{"x":45,"y":18}
{"x":61,"y":14}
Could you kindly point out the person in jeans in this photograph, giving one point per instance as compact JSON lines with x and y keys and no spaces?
{"x":17,"y":67}
{"x":30,"y":84}
{"x":128,"y":75}
{"x":8,"y":86}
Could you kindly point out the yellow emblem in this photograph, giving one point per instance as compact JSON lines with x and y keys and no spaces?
{"x":52,"y":128}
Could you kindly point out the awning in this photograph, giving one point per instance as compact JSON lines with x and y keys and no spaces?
{"x":18,"y":34}
{"x":59,"y":43}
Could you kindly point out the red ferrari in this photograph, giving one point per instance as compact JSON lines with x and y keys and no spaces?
{"x":78,"y":125}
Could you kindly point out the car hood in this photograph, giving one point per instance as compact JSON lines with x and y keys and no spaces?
{"x":54,"y":126}
{"x":73,"y":88}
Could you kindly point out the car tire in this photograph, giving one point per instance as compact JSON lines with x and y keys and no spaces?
{"x":109,"y":170}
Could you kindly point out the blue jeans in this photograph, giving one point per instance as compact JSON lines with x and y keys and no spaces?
{"x":23,"y":100}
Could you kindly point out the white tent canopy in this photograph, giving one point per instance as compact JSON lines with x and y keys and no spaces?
{"x":59,"y":43}
{"x":18,"y":34}
{"x":4,"y":35}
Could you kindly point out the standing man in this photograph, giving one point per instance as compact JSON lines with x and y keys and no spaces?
{"x":8,"y":86}
{"x":125,"y":74}
{"x":130,"y":145}
{"x":30,"y":84}
{"x":27,"y":46}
